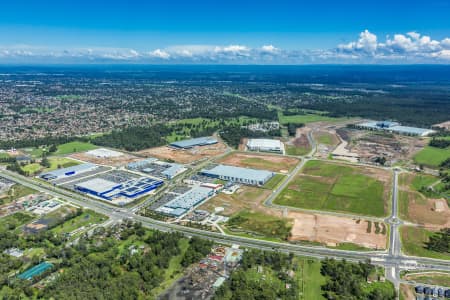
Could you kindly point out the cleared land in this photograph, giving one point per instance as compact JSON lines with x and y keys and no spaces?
{"x":335,"y":231}
{"x":86,"y":219}
{"x":414,"y":240}
{"x":17,"y":191}
{"x":108,"y":161}
{"x":305,"y":118}
{"x":326,"y":138}
{"x":336,"y":187}
{"x":434,"y":278}
{"x":185,"y":156}
{"x":431,"y":156}
{"x":275,"y":163}
{"x":416,"y":207}
{"x":300,"y":144}
{"x":274,"y":181}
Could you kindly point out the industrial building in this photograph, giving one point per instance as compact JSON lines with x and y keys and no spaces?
{"x":104,"y":153}
{"x":157,"y":168}
{"x":238,"y":174}
{"x":265,"y":145}
{"x":191,"y":143}
{"x":109,"y":190}
{"x":394,"y":127}
{"x":70,"y":171}
{"x":184,"y":202}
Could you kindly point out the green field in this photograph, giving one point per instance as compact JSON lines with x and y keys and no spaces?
{"x":32,"y":168}
{"x":60,"y":162}
{"x":434,"y":278}
{"x":87,"y":218}
{"x":312,"y":280}
{"x":17,"y":191}
{"x":293,"y":150}
{"x":260,"y":224}
{"x":413,"y":242}
{"x":274,"y":181}
{"x":333,"y":187}
{"x":72,"y":147}
{"x":431,"y":156}
{"x":306,"y":118}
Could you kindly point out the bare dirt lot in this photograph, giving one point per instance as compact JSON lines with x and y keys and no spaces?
{"x":368,"y":145}
{"x":110,"y":161}
{"x":246,"y":197}
{"x":185,"y":156}
{"x":333,"y":230}
{"x":276,"y":163}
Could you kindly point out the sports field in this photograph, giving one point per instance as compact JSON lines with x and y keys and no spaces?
{"x":431,"y":156}
{"x":336,"y":187}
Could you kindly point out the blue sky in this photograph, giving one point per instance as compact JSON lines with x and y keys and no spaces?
{"x":225,"y":31}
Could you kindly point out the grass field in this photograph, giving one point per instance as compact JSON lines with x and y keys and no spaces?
{"x":4,"y":155}
{"x":312,"y":280}
{"x":87,"y":218}
{"x":60,"y":162}
{"x":433,"y":278}
{"x":18,"y":191}
{"x":260,"y":224}
{"x":274,"y":181}
{"x":32,"y":168}
{"x":72,"y":147}
{"x":413,"y":242}
{"x":431,"y":156}
{"x":333,"y":187}
{"x":306,"y":118}
{"x":294,"y":150}
{"x":275,"y":163}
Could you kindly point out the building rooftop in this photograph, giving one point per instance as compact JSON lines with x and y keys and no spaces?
{"x":396,"y":127}
{"x":201,"y":141}
{"x":104,"y":153}
{"x":264,"y":143}
{"x":190,"y":198}
{"x":238,"y":172}
{"x":64,"y":171}
{"x":98,"y":185}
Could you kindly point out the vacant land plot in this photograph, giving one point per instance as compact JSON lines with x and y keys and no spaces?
{"x":431,"y":156}
{"x":15,"y":192}
{"x":305,"y":118}
{"x":336,"y":187}
{"x":433,"y":278}
{"x":335,"y":231}
{"x":414,"y":240}
{"x":326,"y":138}
{"x":87,"y":218}
{"x":108,"y":161}
{"x":15,"y":220}
{"x":72,"y":147}
{"x":274,"y":181}
{"x":416,"y":207}
{"x":60,"y":162}
{"x":185,"y":156}
{"x":275,"y":163}
{"x":246,"y":197}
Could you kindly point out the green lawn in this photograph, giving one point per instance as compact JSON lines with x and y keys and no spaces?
{"x":4,"y":155}
{"x":413,"y":242}
{"x":434,"y":278}
{"x":312,"y":279}
{"x":431,"y":156}
{"x":306,"y":118}
{"x":32,"y":168}
{"x":333,"y":187}
{"x":60,"y":162}
{"x":274,"y":181}
{"x":72,"y":147}
{"x":87,"y":218}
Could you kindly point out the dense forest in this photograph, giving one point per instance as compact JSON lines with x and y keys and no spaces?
{"x":440,"y":241}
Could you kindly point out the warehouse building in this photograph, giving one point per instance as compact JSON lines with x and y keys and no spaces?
{"x":265,"y":145}
{"x":238,"y":174}
{"x":109,"y":190}
{"x":184,"y":202}
{"x":70,"y":171}
{"x":191,"y":143}
{"x":394,"y":127}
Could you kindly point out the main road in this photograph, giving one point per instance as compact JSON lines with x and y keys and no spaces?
{"x":379,"y":258}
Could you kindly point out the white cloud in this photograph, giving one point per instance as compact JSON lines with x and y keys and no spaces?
{"x":410,"y":47}
{"x":158,"y":53}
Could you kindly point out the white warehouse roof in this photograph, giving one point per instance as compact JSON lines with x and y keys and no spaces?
{"x":264,"y":143}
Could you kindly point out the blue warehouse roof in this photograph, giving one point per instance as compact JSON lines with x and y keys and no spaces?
{"x":201,"y":141}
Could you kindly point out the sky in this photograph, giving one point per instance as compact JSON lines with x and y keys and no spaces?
{"x":225,"y":32}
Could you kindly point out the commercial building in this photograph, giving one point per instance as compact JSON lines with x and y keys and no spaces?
{"x":157,"y":168}
{"x":191,"y":143}
{"x":238,"y":174}
{"x":67,"y":172}
{"x":104,"y":153}
{"x":184,"y":202}
{"x":265,"y":145}
{"x":110,"y":190}
{"x":394,"y":127}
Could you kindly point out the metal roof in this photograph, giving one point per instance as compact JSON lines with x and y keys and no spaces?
{"x":64,"y":171}
{"x":201,"y":141}
{"x":264,"y":143}
{"x":190,"y":198}
{"x":238,"y":172}
{"x":98,"y":185}
{"x":395,"y":127}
